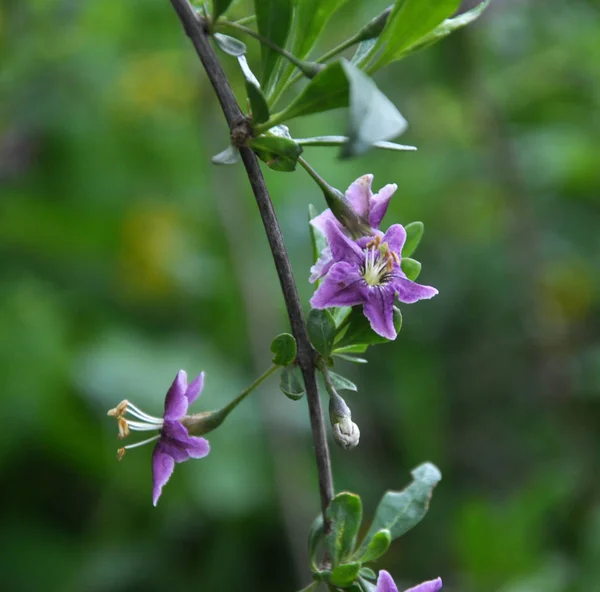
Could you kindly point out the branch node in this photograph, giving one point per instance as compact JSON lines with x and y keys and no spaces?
{"x":241,"y":132}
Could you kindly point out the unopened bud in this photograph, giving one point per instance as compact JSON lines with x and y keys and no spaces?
{"x":202,"y":423}
{"x":345,"y":431}
{"x":310,"y":69}
{"x":374,"y":27}
{"x":343,"y":211}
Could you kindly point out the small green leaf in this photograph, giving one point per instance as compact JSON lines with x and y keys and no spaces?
{"x":315,"y":537}
{"x":279,"y":153}
{"x":258,"y":103}
{"x":345,"y":513}
{"x":344,"y":575}
{"x":367,"y":572}
{"x":409,"y":21}
{"x":321,"y":330}
{"x":447,"y":27}
{"x":411,"y":267}
{"x":359,"y":348}
{"x":353,"y":359}
{"x":363,"y":51}
{"x":290,"y":383}
{"x":377,"y":546}
{"x":373,"y":117}
{"x":230,"y":155}
{"x":399,"y":511}
{"x":341,"y":140}
{"x":414,"y":234}
{"x":319,"y":242}
{"x":230,"y":45}
{"x":284,"y":349}
{"x":340,"y":383}
{"x":359,"y":330}
{"x":219,"y":8}
{"x":273,"y":18}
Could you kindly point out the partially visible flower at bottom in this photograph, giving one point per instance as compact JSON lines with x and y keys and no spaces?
{"x":385,"y":583}
{"x":174,"y":444}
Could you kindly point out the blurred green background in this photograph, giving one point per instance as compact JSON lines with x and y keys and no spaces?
{"x":126,"y":255}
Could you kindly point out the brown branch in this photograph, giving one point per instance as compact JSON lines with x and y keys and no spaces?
{"x":196,"y":30}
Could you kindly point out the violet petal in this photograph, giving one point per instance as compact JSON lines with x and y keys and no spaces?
{"x":429,"y":586}
{"x":162,"y":469}
{"x":342,"y":286}
{"x":322,"y":265}
{"x":342,"y":247}
{"x":320,"y":221}
{"x":176,"y":403}
{"x":195,"y":388}
{"x":359,"y":195}
{"x":385,"y":582}
{"x":379,"y":204}
{"x":409,"y":292}
{"x":379,"y":309}
{"x":395,"y":237}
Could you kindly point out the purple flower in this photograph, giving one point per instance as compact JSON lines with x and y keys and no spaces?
{"x":368,"y":272}
{"x":174,"y":444}
{"x":385,"y":583}
{"x":371,"y":207}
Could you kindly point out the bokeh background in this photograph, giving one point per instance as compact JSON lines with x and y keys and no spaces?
{"x":126,"y":255}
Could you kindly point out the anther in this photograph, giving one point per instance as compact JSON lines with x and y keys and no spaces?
{"x":119,"y":410}
{"x":120,"y":453}
{"x":123,"y":428}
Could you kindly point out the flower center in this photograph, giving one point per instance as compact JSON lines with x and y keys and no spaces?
{"x":142,"y":423}
{"x":379,"y":262}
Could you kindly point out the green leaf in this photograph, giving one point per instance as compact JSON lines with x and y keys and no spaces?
{"x":414,"y":234}
{"x":279,"y":153}
{"x":340,"y":383}
{"x":399,"y":511}
{"x":447,"y":27}
{"x":353,"y":359}
{"x":315,"y":536}
{"x":409,"y":21}
{"x":363,"y":51}
{"x":319,"y":242}
{"x":258,"y":103}
{"x":377,"y":546}
{"x":230,"y":155}
{"x":230,"y":45}
{"x":321,"y":330}
{"x":359,"y":348}
{"x":328,"y":90}
{"x":310,"y":20}
{"x":345,"y":513}
{"x":359,"y":330}
{"x":344,"y":575}
{"x":411,"y":267}
{"x":341,"y":140}
{"x":291,"y":384}
{"x":284,"y":349}
{"x":373,"y":117}
{"x":273,"y":18}
{"x":367,"y":572}
{"x":219,"y":8}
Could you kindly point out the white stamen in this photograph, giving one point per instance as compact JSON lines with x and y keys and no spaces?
{"x":142,"y":442}
{"x":131,"y":408}
{"x":137,"y":426}
{"x":373,"y":271}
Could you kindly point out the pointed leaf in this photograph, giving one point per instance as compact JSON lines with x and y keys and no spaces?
{"x":359,"y":348}
{"x":353,"y":359}
{"x":409,"y":21}
{"x":373,"y":117}
{"x":363,"y":51}
{"x":219,"y":7}
{"x":258,"y":103}
{"x":345,"y":513}
{"x":341,"y":140}
{"x":359,"y":330}
{"x":273,"y":18}
{"x":315,"y":536}
{"x":377,"y":546}
{"x":290,"y":383}
{"x":414,"y":234}
{"x":279,"y":153}
{"x":340,"y":383}
{"x":283,"y":348}
{"x":230,"y":155}
{"x":321,"y":330}
{"x":367,"y":572}
{"x":230,"y":45}
{"x":344,"y":575}
{"x":411,"y":267}
{"x":399,"y":511}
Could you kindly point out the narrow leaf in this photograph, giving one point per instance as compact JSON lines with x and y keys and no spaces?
{"x":399,"y":511}
{"x":344,"y":575}
{"x":321,"y":330}
{"x":258,"y":103}
{"x":411,"y":267}
{"x":353,"y":359}
{"x":230,"y":45}
{"x":414,"y":234}
{"x":230,"y":155}
{"x":273,"y":18}
{"x":345,"y":513}
{"x":367,"y":572}
{"x":220,"y":7}
{"x":341,"y":140}
{"x":340,"y":383}
{"x":359,"y":348}
{"x":315,"y":536}
{"x":363,"y":51}
{"x":290,"y":383}
{"x":377,"y":546}
{"x":283,"y":348}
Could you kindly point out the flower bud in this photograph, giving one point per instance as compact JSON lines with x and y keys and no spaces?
{"x":345,"y":431}
{"x":344,"y":212}
{"x":375,"y":26}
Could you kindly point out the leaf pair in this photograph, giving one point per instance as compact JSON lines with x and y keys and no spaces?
{"x":284,"y":349}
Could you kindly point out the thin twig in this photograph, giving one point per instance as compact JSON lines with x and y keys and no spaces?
{"x":196,"y":30}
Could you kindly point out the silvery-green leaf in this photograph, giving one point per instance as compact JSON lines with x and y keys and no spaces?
{"x":230,"y":155}
{"x":230,"y":45}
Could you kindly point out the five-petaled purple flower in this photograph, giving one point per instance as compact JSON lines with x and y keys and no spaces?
{"x":174,"y":444}
{"x":385,"y":583}
{"x":371,"y":207}
{"x":368,"y":272}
